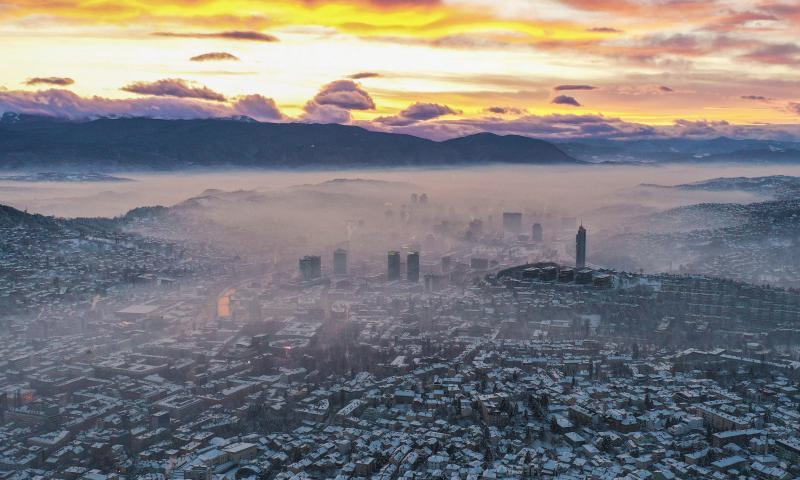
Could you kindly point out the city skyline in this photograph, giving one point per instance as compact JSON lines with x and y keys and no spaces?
{"x":399,"y":240}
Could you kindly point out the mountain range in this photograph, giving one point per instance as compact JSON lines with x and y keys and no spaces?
{"x":32,"y":142}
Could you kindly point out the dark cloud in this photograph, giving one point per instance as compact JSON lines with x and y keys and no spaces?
{"x":775,"y":54}
{"x":603,"y":30}
{"x":418,"y":112}
{"x":174,"y":87}
{"x":362,"y":75}
{"x":794,"y":107}
{"x":505,"y":110}
{"x":560,"y":88}
{"x":59,"y":81}
{"x":214,"y":56}
{"x":258,"y":107}
{"x":566,"y":100}
{"x":246,"y":35}
{"x":344,"y":94}
{"x":760,"y":98}
{"x":427,"y":111}
{"x":665,"y":89}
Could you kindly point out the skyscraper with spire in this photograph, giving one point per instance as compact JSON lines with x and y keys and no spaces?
{"x":580,"y":247}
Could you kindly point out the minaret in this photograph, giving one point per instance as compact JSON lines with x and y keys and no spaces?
{"x":580,"y":247}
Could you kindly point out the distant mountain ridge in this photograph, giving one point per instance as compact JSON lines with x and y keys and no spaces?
{"x":32,"y":142}
{"x":683,"y":150}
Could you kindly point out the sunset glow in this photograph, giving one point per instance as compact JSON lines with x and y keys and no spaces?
{"x":505,"y":66}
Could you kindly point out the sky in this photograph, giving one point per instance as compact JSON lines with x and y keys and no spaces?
{"x":435,"y":68}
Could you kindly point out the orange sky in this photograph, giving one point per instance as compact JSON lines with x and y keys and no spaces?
{"x":430,"y":67}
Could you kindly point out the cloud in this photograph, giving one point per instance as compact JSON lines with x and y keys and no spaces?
{"x":760,"y":98}
{"x":737,"y":21}
{"x":344,"y":94}
{"x":638,"y":89}
{"x":553,"y":126}
{"x":571,"y":126}
{"x":246,"y":19}
{"x":259,"y":107}
{"x":418,"y":112}
{"x":505,"y":110}
{"x":362,"y":75}
{"x":560,"y":88}
{"x":245,"y":35}
{"x":174,"y":87}
{"x":620,"y":6}
{"x":66,"y":104}
{"x":566,"y":100}
{"x":405,"y":3}
{"x":699,"y":128}
{"x":214,"y":56}
{"x":59,"y":81}
{"x":784,"y":11}
{"x":317,"y":113}
{"x":775,"y":54}
{"x":652,"y":9}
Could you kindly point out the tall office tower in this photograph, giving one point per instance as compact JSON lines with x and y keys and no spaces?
{"x":512,"y":222}
{"x":340,"y":261}
{"x":537,"y":234}
{"x":393,"y":272}
{"x":580,"y":247}
{"x":412,"y":267}
{"x":310,"y":267}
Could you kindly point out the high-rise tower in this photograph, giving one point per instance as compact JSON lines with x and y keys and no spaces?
{"x":393,"y":272}
{"x":512,"y":222}
{"x":340,"y":261}
{"x":310,"y":267}
{"x":412,"y":267}
{"x":537,"y":232}
{"x":580,"y":247}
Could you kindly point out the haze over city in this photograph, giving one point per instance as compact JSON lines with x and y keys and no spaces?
{"x":399,"y":240}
